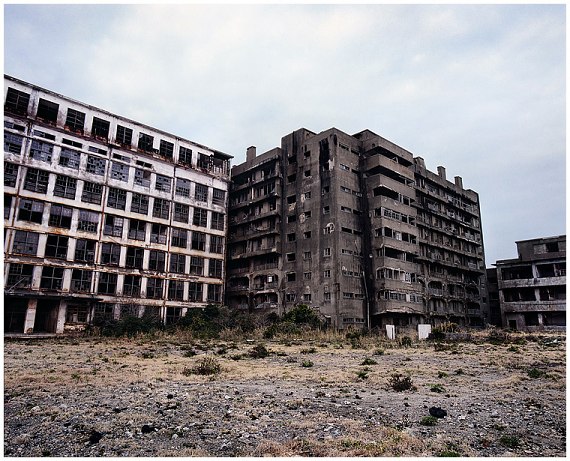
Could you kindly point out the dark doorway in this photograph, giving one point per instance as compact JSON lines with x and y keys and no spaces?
{"x":513,"y":324}
{"x":46,"y":316}
{"x":15,"y":315}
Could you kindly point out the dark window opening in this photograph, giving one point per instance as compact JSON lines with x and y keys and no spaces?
{"x":65,"y":187}
{"x":166,"y":149}
{"x":185,"y":156}
{"x":124,"y":136}
{"x":113,"y":226}
{"x":110,"y":253}
{"x":107,"y":283}
{"x":60,"y":216}
{"x":100,"y":128}
{"x":135,"y":257}
{"x":17,"y":102}
{"x":85,"y":251}
{"x":157,"y":260}
{"x":145,"y":142}
{"x":13,"y":143}
{"x":81,"y":281}
{"x":56,"y":246}
{"x":92,"y":193}
{"x":161,"y":208}
{"x":47,"y":111}
{"x":69,"y":158}
{"x":52,"y":278}
{"x":75,"y":120}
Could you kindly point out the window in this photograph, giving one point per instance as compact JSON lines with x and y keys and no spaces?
{"x":75,"y":120}
{"x":195,"y":291}
{"x":117,"y":198}
{"x":132,"y":285}
{"x":41,"y":151}
{"x":307,"y":297}
{"x":307,"y":275}
{"x":217,"y":221}
{"x":204,"y":161}
{"x":291,"y":218}
{"x":60,"y":216}
{"x":196,"y":265}
{"x":218,"y":197}
{"x":181,"y":212}
{"x":216,"y":244}
{"x":139,"y":203}
{"x":13,"y":143}
{"x":163,"y":183}
{"x":137,"y":229}
{"x":157,"y":260}
{"x":19,"y":276}
{"x":69,"y":158}
{"x":100,"y":128}
{"x":96,"y":165}
{"x":120,"y":171}
{"x":201,"y":193}
{"x":198,"y":241}
{"x":30,"y":210}
{"x":10,"y":174}
{"x":161,"y":208}
{"x":291,"y":178}
{"x":8,"y":199}
{"x":113,"y":226}
{"x":145,"y":142}
{"x":327,"y":274}
{"x":177,"y":263}
{"x":166,"y":149}
{"x":214,"y":293}
{"x":307,"y":195}
{"x":80,"y":281}
{"x":291,"y":257}
{"x":179,"y":238}
{"x":306,"y":255}
{"x":175,"y":290}
{"x":36,"y":180}
{"x":110,"y":253}
{"x":65,"y":187}
{"x":154,"y":288}
{"x":124,"y":136}
{"x":107,"y":283}
{"x":25,"y":243}
{"x":327,"y":252}
{"x":88,"y":221}
{"x":52,"y":278}
{"x":215,"y":268}
{"x":326,"y":209}
{"x":291,"y":237}
{"x":200,"y":217}
{"x":47,"y":111}
{"x":135,"y":256}
{"x":142,"y":177}
{"x":17,"y":102}
{"x":85,"y":251}
{"x":307,"y":173}
{"x":158,"y":233}
{"x":307,"y":235}
{"x":290,"y":297}
{"x":56,"y":246}
{"x":183,"y":187}
{"x":185,"y":156}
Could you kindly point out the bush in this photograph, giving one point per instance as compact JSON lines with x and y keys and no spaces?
{"x":405,"y":341}
{"x":259,"y":352}
{"x":535,"y":373}
{"x":206,"y":366}
{"x":510,"y":441}
{"x":303,"y":314}
{"x":362,"y":374}
{"x":401,"y":383}
{"x":129,"y":326}
{"x":428,"y":421}
{"x":436,"y":388}
{"x":307,"y":364}
{"x":369,"y":361}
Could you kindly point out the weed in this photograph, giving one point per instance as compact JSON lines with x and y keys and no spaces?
{"x":310,"y":350}
{"x":76,"y":376}
{"x":189,"y":353}
{"x":369,"y":361}
{"x":147,"y":355}
{"x":406,"y":341}
{"x":442,"y":374}
{"x":449,"y":454}
{"x":362,"y":374}
{"x":498,"y":427}
{"x":206,"y":366}
{"x":428,"y":421}
{"x":307,"y":364}
{"x":459,"y":371}
{"x":535,"y":373}
{"x":437,"y":388}
{"x":236,"y":357}
{"x":401,"y":383}
{"x":510,"y":441}
{"x":291,"y":360}
{"x":513,"y":348}
{"x":259,"y":352}
{"x":379,"y":351}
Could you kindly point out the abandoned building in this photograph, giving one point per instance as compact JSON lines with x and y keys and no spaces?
{"x":105,"y":217}
{"x":357,"y":227}
{"x":532,"y":287}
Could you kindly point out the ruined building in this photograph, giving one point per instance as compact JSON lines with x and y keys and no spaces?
{"x":105,"y":217}
{"x":358,"y":228}
{"x":532,"y":287}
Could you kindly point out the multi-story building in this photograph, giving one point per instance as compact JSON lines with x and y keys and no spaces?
{"x":532,"y":288}
{"x":105,"y":216}
{"x":357,"y":227}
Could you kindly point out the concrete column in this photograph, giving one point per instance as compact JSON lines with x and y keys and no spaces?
{"x":30,"y":316}
{"x":61,"y":317}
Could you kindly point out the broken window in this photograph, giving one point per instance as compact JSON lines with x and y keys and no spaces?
{"x":76,"y":313}
{"x":100,"y":128}
{"x":161,"y":208}
{"x":219,"y":197}
{"x":41,"y":151}
{"x":69,"y":158}
{"x":107,"y":283}
{"x":65,"y":187}
{"x":181,"y":212}
{"x":137,"y":229}
{"x":85,"y":250}
{"x":113,"y":226}
{"x":135,"y":256}
{"x":132,"y":285}
{"x":175,"y":290}
{"x":154,"y":288}
{"x":290,"y":297}
{"x":56,"y":246}
{"x":142,"y":177}
{"x":195,"y":291}
{"x":157,"y":260}
{"x":216,"y":244}
{"x":52,"y":278}
{"x":88,"y":221}
{"x":196,"y":265}
{"x":17,"y":102}
{"x":124,"y":136}
{"x":13,"y":143}
{"x":145,"y":142}
{"x":204,"y":161}
{"x":306,"y":255}
{"x":200,"y":217}
{"x":291,"y":237}
{"x":139,"y":203}
{"x":291,"y":276}
{"x":177,"y":263}
{"x":110,"y":253}
{"x":11,"y":174}
{"x":75,"y":120}
{"x":60,"y":216}
{"x":158,"y":233}
{"x":81,"y":281}
{"x":198,"y":241}
{"x":19,"y":276}
{"x":92,"y":193}
{"x":179,"y":237}
{"x":201,"y":193}
{"x":217,"y":221}
{"x":25,"y":243}
{"x":166,"y":149}
{"x":163,"y":183}
{"x":120,"y":171}
{"x":214,"y":293}
{"x":117,"y":198}
{"x":183,"y":187}
{"x":30,"y":210}
{"x":96,"y":165}
{"x":215,"y":268}
{"x":7,"y":205}
{"x":291,"y":257}
{"x":47,"y":111}
{"x":185,"y":156}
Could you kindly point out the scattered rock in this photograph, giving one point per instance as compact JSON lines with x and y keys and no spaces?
{"x":437,"y":412}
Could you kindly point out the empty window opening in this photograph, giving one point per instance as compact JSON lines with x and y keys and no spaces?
{"x":142,"y":177}
{"x":185,"y":156}
{"x":215,"y":267}
{"x":19,"y":276}
{"x":137,"y":229}
{"x":81,"y":281}
{"x":198,"y":241}
{"x":42,"y":151}
{"x":139,"y":203}
{"x":216,"y":244}
{"x":75,"y":121}
{"x":181,"y":212}
{"x":217,"y":221}
{"x":158,"y":233}
{"x":183,"y":187}
{"x":154,"y":288}
{"x":166,"y":149}
{"x":177,"y":263}
{"x":60,"y":216}
{"x":85,"y":250}
{"x":11,"y":174}
{"x":100,"y":128}
{"x":107,"y":283}
{"x":110,"y":253}
{"x":200,"y":217}
{"x":135,"y":256}
{"x":196,"y":265}
{"x":214,"y":293}
{"x":17,"y":102}
{"x":13,"y":143}
{"x":161,"y":208}
{"x":113,"y":226}
{"x":157,"y":260}
{"x":30,"y":210}
{"x":25,"y":243}
{"x":120,"y":171}
{"x":124,"y":136}
{"x":163,"y":183}
{"x":195,"y":291}
{"x":145,"y":142}
{"x":56,"y":246}
{"x":132,"y":285}
{"x":175,"y":290}
{"x":47,"y":111}
{"x":179,"y":237}
{"x":69,"y":158}
{"x":201,"y":193}
{"x":218,"y":197}
{"x":52,"y":278}
{"x":117,"y":198}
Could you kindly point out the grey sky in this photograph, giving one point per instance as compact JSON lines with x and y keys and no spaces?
{"x":479,"y":89}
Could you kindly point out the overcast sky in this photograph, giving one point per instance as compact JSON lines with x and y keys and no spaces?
{"x":479,"y":89}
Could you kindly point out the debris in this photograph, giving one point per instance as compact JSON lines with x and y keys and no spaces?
{"x":437,"y":412}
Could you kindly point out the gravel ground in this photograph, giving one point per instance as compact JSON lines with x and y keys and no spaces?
{"x":118,"y":397}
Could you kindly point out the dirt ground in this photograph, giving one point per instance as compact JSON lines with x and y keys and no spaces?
{"x":328,"y":396}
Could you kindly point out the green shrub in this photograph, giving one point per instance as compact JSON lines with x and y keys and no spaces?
{"x":307,"y":364}
{"x":405,"y":341}
{"x":535,"y":373}
{"x":369,"y":361}
{"x":510,"y":441}
{"x":259,"y":352}
{"x":310,"y":350}
{"x":205,"y":366}
{"x":400,"y":383}
{"x":129,"y":326}
{"x":428,"y":421}
{"x":362,"y":374}
{"x":441,"y":374}
{"x":437,"y":388}
{"x":302,"y":314}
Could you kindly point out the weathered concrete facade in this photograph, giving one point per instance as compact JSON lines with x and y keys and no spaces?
{"x":532,"y":288}
{"x":105,"y":216}
{"x":362,"y":231}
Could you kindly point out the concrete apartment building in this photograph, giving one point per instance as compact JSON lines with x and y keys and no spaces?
{"x":532,"y":287}
{"x":357,"y":227}
{"x":105,"y":217}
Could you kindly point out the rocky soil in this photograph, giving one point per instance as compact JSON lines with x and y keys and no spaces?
{"x":325,"y":397}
